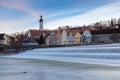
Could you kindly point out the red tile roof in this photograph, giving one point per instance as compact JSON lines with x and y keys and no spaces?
{"x":38,"y":32}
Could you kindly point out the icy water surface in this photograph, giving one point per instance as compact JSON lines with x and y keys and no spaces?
{"x":21,"y":69}
{"x":96,"y":62}
{"x":93,"y":54}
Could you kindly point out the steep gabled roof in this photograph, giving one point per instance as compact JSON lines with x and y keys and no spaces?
{"x":87,"y":33}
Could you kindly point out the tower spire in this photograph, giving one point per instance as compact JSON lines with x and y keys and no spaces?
{"x":41,"y":23}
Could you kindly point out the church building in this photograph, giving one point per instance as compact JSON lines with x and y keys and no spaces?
{"x":41,"y":23}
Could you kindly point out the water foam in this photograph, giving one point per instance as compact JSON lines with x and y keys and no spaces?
{"x":93,"y":54}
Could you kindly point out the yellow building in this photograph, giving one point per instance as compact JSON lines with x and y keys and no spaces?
{"x":77,"y":38}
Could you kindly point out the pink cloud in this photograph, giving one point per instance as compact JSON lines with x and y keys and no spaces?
{"x":20,"y":5}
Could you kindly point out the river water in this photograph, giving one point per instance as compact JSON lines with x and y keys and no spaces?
{"x":69,"y":63}
{"x":24,"y":69}
{"x":93,"y":54}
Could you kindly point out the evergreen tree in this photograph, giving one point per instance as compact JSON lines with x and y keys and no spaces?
{"x":112,"y":22}
{"x":119,"y":23}
{"x":41,"y":41}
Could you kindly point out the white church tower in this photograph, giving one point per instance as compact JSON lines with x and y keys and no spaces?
{"x":41,"y":23}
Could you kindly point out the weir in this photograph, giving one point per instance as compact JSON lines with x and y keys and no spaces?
{"x":93,"y":54}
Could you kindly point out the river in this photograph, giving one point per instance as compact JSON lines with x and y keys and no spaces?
{"x":67,"y":63}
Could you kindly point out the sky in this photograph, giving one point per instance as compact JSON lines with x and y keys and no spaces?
{"x":22,"y":15}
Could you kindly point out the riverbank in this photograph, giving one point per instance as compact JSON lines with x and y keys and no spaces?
{"x":29,"y":69}
{"x":19,"y":48}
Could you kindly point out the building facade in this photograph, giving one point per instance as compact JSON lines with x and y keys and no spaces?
{"x":9,"y":40}
{"x":77,"y":38}
{"x":106,"y":36}
{"x":58,"y":37}
{"x":47,"y":39}
{"x":64,"y":37}
{"x":86,"y":37}
{"x":52,"y":38}
{"x":70,"y":39}
{"x":41,"y":23}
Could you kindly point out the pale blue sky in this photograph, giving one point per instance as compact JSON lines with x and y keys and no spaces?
{"x":22,"y":15}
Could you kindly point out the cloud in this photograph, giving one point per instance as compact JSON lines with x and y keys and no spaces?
{"x":24,"y":23}
{"x":16,"y":25}
{"x":20,"y":5}
{"x":99,"y":14}
{"x":63,"y":12}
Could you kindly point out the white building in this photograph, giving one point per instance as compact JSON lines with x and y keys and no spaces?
{"x":64,"y":37}
{"x":86,"y":37}
{"x":41,"y":23}
{"x":70,"y":39}
{"x":104,"y":24}
{"x":9,"y":40}
{"x":52,"y":38}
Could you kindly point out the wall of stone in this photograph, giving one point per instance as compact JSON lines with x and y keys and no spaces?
{"x":106,"y":38}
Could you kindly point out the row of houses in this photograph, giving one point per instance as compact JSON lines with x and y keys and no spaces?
{"x":76,"y":36}
{"x":13,"y":39}
{"x":61,"y":36}
{"x":66,"y":36}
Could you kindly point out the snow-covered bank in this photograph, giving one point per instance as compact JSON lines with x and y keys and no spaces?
{"x":94,"y":54}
